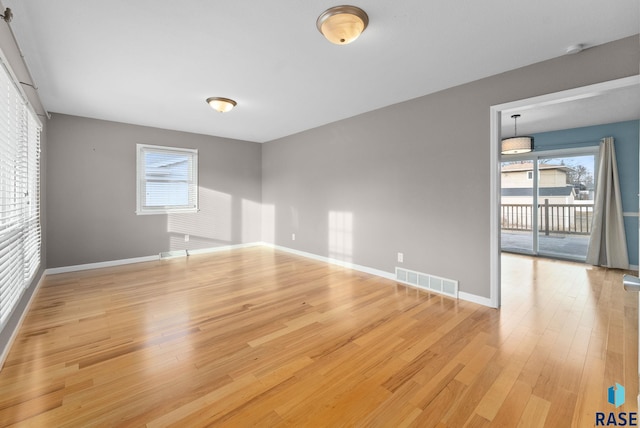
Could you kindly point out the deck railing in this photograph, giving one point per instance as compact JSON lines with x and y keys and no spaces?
{"x":552,"y":218}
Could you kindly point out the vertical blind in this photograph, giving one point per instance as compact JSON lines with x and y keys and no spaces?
{"x":20,"y":233}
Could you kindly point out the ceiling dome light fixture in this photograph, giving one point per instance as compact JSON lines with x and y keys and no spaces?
{"x":342,"y":24}
{"x":574,"y":49}
{"x":221,"y":104}
{"x":515,"y":144}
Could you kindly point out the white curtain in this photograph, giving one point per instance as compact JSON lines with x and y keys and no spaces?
{"x":608,"y":245}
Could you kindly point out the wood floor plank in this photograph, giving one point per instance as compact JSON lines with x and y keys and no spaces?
{"x":437,"y":409}
{"x":535,"y":413}
{"x":592,"y":387}
{"x":513,"y":406}
{"x":258,"y":337}
{"x":498,"y":392}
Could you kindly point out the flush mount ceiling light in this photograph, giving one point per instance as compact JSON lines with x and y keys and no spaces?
{"x":220,"y":104}
{"x":515,"y":144}
{"x":574,"y":49}
{"x":342,"y":24}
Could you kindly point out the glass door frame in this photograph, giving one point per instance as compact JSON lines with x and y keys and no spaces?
{"x":535,"y":157}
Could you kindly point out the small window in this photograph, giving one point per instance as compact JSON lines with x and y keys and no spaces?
{"x":167,"y":180}
{"x":530,"y":175}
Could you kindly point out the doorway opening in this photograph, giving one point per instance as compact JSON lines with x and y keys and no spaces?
{"x":549,"y":102}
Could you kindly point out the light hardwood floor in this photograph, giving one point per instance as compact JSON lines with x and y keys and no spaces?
{"x":260,"y":337}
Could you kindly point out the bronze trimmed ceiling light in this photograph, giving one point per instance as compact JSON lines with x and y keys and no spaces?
{"x":341,"y":25}
{"x":221,"y":104}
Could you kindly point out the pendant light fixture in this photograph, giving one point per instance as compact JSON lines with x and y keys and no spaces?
{"x":342,"y":24}
{"x":515,"y":144}
{"x":221,"y":104}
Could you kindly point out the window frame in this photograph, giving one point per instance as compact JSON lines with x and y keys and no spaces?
{"x":141,"y":180}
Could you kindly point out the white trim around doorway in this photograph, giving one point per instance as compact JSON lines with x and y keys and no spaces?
{"x":495,"y":157}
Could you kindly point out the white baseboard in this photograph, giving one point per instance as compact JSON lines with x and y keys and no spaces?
{"x":180,"y":253}
{"x":360,"y":268}
{"x":75,"y":268}
{"x":223,"y":248}
{"x":484,"y":301}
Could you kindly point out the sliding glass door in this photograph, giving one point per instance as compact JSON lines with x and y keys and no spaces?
{"x":547,"y":203}
{"x":565,"y":198}
{"x":517,"y":206}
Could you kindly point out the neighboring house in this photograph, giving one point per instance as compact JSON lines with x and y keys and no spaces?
{"x":556,"y":199}
{"x":517,"y":184}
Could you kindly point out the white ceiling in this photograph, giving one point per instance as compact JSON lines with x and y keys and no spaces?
{"x":154,"y":62}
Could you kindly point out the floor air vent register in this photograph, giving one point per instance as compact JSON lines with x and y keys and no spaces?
{"x":436,"y":284}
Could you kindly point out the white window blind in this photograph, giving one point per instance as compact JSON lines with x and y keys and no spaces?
{"x":19,"y":194}
{"x":32,"y":210}
{"x":167,"y":180}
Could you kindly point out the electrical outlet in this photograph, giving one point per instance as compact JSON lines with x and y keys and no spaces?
{"x":186,"y":238}
{"x":293,"y":236}
{"x":400,"y":257}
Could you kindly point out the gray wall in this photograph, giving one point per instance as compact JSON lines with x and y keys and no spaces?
{"x":413,"y":177}
{"x":91,"y":185}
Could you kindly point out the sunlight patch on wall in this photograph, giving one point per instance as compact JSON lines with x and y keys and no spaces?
{"x":269,"y":223}
{"x":251,"y":221}
{"x":212,"y":222}
{"x":341,"y":235}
